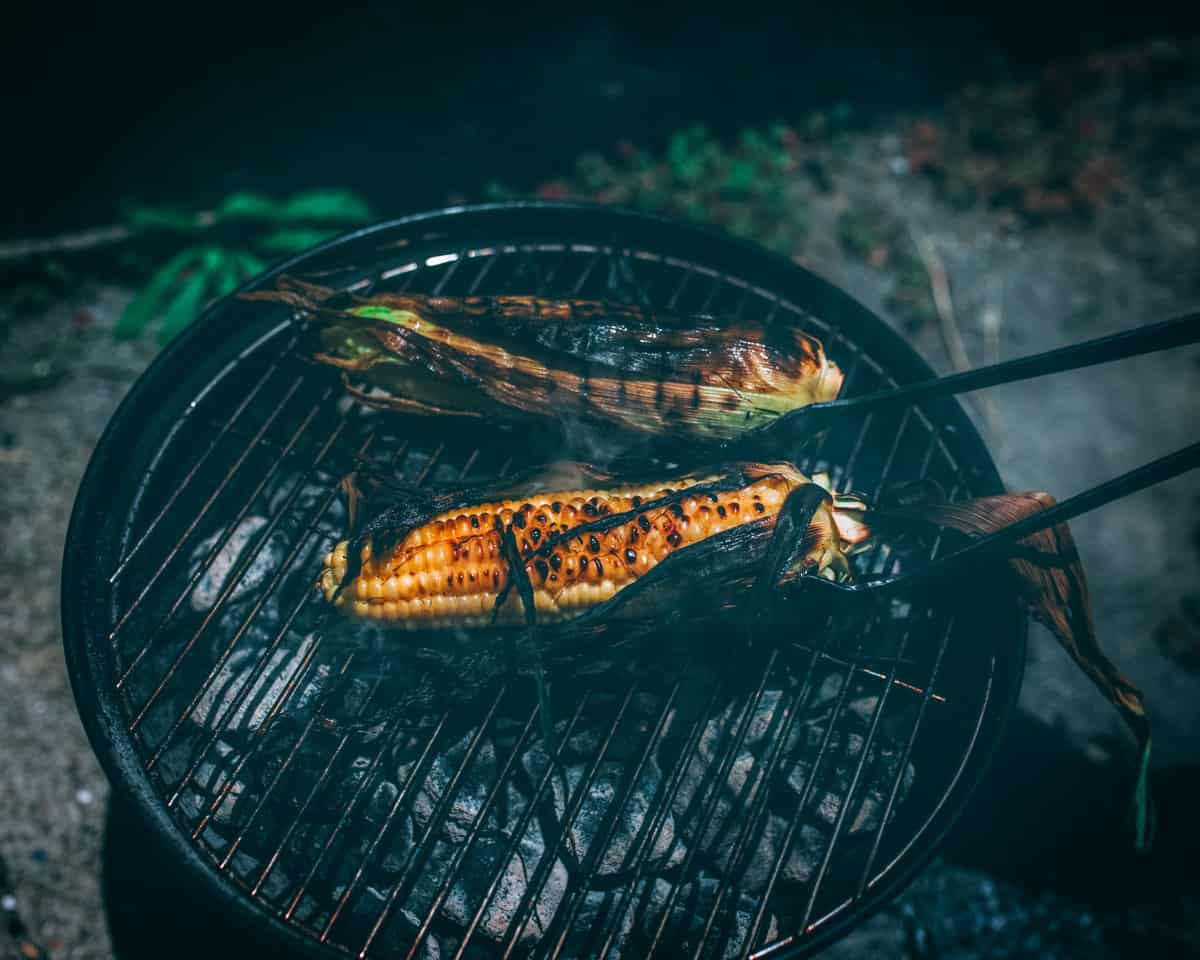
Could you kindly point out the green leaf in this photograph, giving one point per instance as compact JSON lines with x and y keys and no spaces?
{"x":292,"y":239}
{"x":1141,"y":809}
{"x":685,"y":153}
{"x":142,"y":309}
{"x":227,"y":275}
{"x":147,"y":218}
{"x":741,"y":175}
{"x":248,"y":206}
{"x":187,"y":303}
{"x":328,"y":206}
{"x":753,"y":141}
{"x":250,"y":264}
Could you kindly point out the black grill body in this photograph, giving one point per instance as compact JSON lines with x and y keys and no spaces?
{"x":715,"y":803}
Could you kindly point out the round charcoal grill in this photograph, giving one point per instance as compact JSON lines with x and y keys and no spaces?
{"x":708,"y":799}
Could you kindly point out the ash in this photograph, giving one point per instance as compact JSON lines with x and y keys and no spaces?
{"x":691,"y":820}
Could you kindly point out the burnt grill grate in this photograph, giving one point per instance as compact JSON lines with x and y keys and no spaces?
{"x":705,"y":811}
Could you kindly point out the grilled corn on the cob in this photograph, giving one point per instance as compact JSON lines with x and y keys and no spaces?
{"x":451,"y":570}
{"x":603,"y":362}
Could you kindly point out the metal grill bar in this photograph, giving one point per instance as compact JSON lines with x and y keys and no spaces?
{"x":759,"y":791}
{"x":231,"y":584}
{"x":587,"y":272}
{"x":251,"y":682}
{"x":673,"y":301}
{"x":420,"y":771}
{"x":902,"y":684}
{"x":204,"y":566}
{"x":848,"y":800}
{"x":259,"y":739}
{"x":360,"y":791}
{"x":124,"y":618}
{"x":522,"y":825}
{"x":864,"y":881}
{"x":488,"y":263}
{"x":433,"y":460}
{"x":867,"y":671}
{"x":469,"y":843}
{"x":312,"y":721}
{"x":419,"y":852}
{"x":552,"y":273}
{"x":448,"y":273}
{"x":710,"y":805}
{"x":190,"y":475}
{"x":430,"y":464}
{"x":417,"y":776}
{"x":533,"y":889}
{"x":819,"y":877}
{"x":599,"y":843}
{"x":244,"y":691}
{"x":397,"y":456}
{"x":224,"y":862}
{"x":810,"y":786}
{"x":802,"y":804}
{"x":847,"y":471}
{"x":807,"y":927}
{"x":645,"y":843}
{"x":322,"y":780}
{"x":904,"y":759}
{"x":716,"y":285}
{"x":234,"y":580}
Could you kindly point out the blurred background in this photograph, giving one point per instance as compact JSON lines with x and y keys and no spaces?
{"x":1040,"y":168}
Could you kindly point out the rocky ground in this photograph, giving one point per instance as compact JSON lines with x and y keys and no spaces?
{"x":1016,"y":285}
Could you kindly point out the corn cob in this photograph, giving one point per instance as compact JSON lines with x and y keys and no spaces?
{"x":450,"y":571}
{"x":604,"y":362}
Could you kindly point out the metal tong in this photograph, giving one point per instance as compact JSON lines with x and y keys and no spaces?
{"x":1177,"y":332}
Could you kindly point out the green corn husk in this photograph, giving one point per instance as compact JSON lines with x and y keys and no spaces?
{"x":604,"y":363}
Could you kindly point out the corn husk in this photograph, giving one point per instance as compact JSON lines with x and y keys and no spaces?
{"x":573,"y":360}
{"x":1049,"y":575}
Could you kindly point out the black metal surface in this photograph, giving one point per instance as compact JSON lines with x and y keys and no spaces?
{"x":196,"y":653}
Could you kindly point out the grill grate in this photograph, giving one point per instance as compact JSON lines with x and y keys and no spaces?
{"x":705,"y":811}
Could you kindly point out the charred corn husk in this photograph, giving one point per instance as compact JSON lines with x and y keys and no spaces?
{"x":587,"y":360}
{"x":580,"y":547}
{"x":1049,"y":576}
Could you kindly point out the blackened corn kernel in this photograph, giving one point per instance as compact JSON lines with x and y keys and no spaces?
{"x":452,"y":569}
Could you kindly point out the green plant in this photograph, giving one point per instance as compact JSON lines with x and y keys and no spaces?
{"x":222,"y":248}
{"x":741,"y":183}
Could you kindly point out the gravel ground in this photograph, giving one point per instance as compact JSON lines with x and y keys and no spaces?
{"x":1135,"y":263}
{"x":53,"y":794}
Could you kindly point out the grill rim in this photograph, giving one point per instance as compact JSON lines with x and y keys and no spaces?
{"x":84,"y":586}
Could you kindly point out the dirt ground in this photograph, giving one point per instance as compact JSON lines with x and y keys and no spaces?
{"x":1015,"y":290}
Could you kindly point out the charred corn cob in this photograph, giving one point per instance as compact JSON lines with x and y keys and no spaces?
{"x":580,"y":547}
{"x":604,"y":362}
